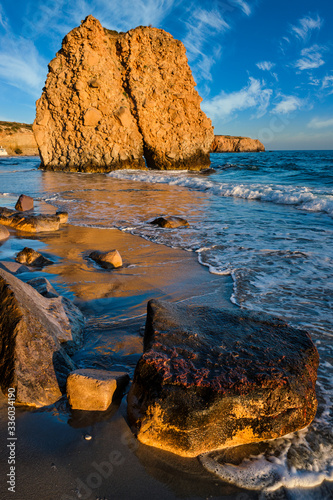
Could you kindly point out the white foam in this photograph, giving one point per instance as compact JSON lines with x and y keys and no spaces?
{"x":315,"y":200}
{"x":270,"y":473}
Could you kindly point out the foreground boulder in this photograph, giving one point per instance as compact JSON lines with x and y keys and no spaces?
{"x":232,"y":144}
{"x":93,"y":390}
{"x":37,"y":334}
{"x":30,"y":257}
{"x":24,"y":203}
{"x":108,"y":260}
{"x":111,"y":98}
{"x":211,"y":379}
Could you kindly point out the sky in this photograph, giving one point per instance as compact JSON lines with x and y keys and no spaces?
{"x":264,"y":68}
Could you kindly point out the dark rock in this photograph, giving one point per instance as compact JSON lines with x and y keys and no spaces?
{"x":108,"y":260}
{"x":32,"y":258}
{"x":4,"y":233}
{"x":14,"y":267}
{"x":24,"y":203}
{"x":211,"y":379}
{"x":44,"y":287}
{"x":36,"y":334}
{"x":170,"y":222}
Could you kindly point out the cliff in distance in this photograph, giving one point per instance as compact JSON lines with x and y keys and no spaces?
{"x":111,"y":98}
{"x":231,"y":144}
{"x":18,"y":139}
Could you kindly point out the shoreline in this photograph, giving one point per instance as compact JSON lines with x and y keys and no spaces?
{"x":54,"y":460}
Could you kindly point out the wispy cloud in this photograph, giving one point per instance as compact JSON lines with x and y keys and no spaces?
{"x":60,"y":16}
{"x":201,"y":25}
{"x":265,"y":65}
{"x":243,"y":5}
{"x":305,"y":26}
{"x":287,"y":104}
{"x":3,"y":19}
{"x":327,"y":83}
{"x":21,"y":65}
{"x":311,"y":58}
{"x":254,"y":95}
{"x":320,"y":123}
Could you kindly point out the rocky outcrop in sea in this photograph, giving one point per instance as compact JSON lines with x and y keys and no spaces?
{"x":121,"y":100}
{"x":232,"y":144}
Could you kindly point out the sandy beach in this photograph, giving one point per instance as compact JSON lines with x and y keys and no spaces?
{"x":55,"y":460}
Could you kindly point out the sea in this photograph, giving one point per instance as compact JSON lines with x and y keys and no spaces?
{"x":265,"y":220}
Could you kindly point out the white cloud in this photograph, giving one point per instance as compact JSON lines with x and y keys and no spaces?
{"x":201,"y":25}
{"x":288,"y":104}
{"x":319,"y":123}
{"x":3,"y":19}
{"x":21,"y":66}
{"x":305,"y":26}
{"x":254,"y":95}
{"x":265,"y":65}
{"x":311,"y":58}
{"x":243,"y":5}
{"x":327,"y":82}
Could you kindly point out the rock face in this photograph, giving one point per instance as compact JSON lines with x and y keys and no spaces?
{"x":230,"y":144}
{"x":93,"y":390}
{"x":111,"y":98}
{"x":211,"y":379}
{"x":18,"y":139}
{"x":37,"y":335}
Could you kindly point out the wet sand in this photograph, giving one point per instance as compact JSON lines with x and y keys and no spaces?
{"x":53,"y":458}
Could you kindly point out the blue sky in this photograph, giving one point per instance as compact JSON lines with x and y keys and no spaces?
{"x":263,"y":67}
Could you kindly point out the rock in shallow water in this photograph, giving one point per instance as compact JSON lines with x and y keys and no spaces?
{"x":24,"y":203}
{"x":37,"y":335}
{"x":108,"y":260}
{"x":30,"y":257}
{"x":210,"y":379}
{"x":93,"y":390}
{"x":170,"y":222}
{"x":4,"y":233}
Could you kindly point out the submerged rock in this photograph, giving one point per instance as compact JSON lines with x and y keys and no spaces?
{"x":231,"y":144}
{"x":32,"y":258}
{"x":211,"y":379}
{"x":37,"y":334}
{"x":111,"y":98}
{"x":4,"y":233}
{"x":93,"y":390}
{"x":24,"y":203}
{"x":170,"y":222}
{"x":108,"y":260}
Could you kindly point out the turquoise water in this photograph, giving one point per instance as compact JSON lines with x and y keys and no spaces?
{"x":264,"y":219}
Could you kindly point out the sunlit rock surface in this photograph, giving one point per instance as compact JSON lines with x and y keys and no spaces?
{"x":111,"y":98}
{"x":211,"y":379}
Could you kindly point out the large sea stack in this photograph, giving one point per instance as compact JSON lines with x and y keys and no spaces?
{"x":113,"y":100}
